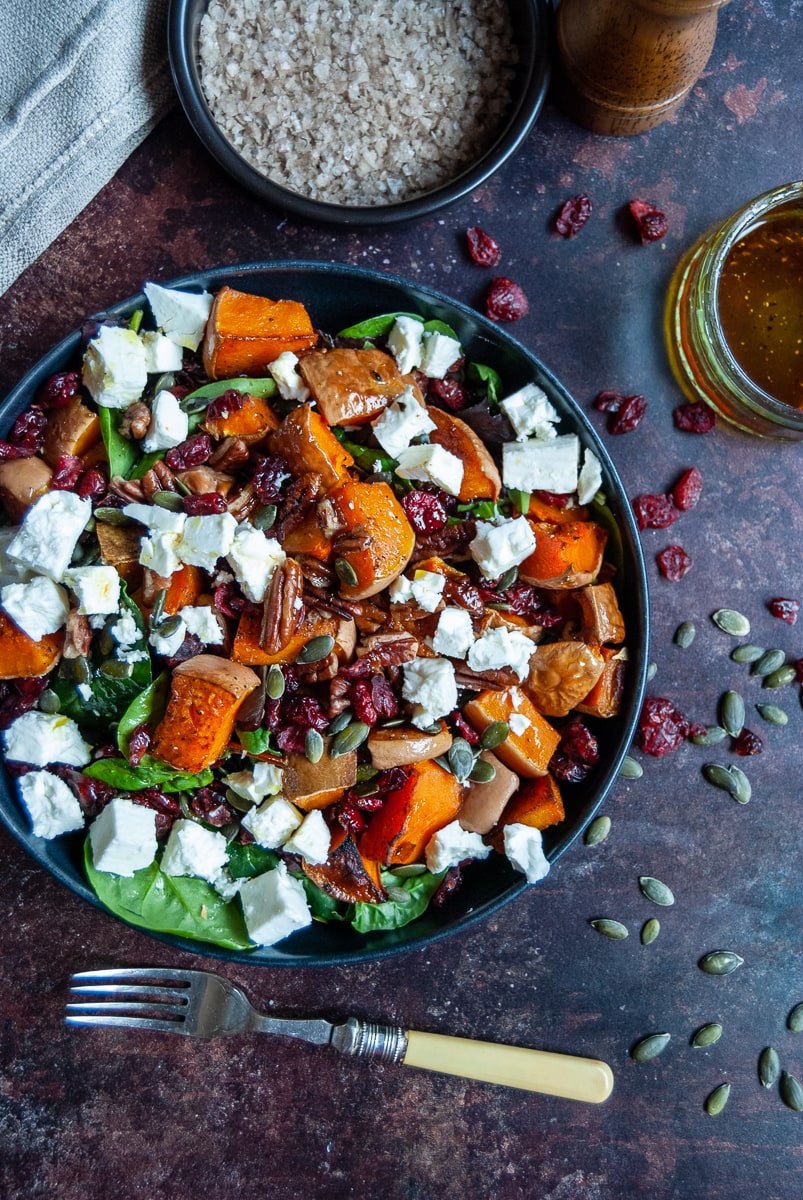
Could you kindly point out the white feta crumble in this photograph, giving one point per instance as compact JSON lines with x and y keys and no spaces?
{"x":46,"y":539}
{"x":181,"y":316}
{"x":169,"y":423}
{"x":404,"y":343}
{"x":530,"y":413}
{"x":114,"y":370}
{"x":285,"y":374}
{"x":452,"y":845}
{"x":429,"y":685}
{"x":439,"y":352}
{"x":37,"y":608}
{"x":272,"y":823}
{"x":431,"y":464}
{"x":168,"y":644}
{"x":534,"y":465}
{"x":123,"y":837}
{"x":454,"y":634}
{"x":311,"y":840}
{"x":400,"y":422}
{"x":161,"y":354}
{"x":206,"y":539}
{"x":498,"y":546}
{"x":427,"y":589}
{"x":502,"y":647}
{"x":49,"y":803}
{"x":274,"y":906}
{"x":160,"y":553}
{"x":129,"y":638}
{"x":263,"y":780}
{"x":40,"y":738}
{"x":204,"y":622}
{"x":518,"y":723}
{"x":401,"y":590}
{"x":194,"y":850}
{"x":156,"y":518}
{"x":525,"y":851}
{"x":590,"y":480}
{"x":253,"y":558}
{"x":96,"y":588}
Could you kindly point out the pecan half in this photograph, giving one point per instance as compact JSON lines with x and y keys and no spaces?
{"x":320,"y":671}
{"x":450,"y":542}
{"x":351,"y":541}
{"x":283,"y":607}
{"x":231,"y":453}
{"x":298,"y":500}
{"x":388,"y":649}
{"x":480,"y":681}
{"x":127,"y":489}
{"x":77,"y":635}
{"x":338,"y":696}
{"x":316,"y":573}
{"x":135,"y":421}
{"x":243,"y":504}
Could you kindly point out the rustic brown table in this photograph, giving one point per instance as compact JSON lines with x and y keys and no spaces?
{"x":97,"y":1114}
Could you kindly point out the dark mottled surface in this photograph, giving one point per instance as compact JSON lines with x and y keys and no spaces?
{"x":90,"y":1114}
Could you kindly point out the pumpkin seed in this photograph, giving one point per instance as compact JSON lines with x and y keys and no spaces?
{"x":741,"y":789}
{"x":597,"y":831}
{"x":494,"y":735}
{"x":237,"y":802}
{"x":772,"y":714}
{"x":49,"y":702}
{"x":769,"y":661}
{"x":169,"y":626}
{"x":791,"y":1091}
{"x":780,"y":678}
{"x":349,"y":739}
{"x":265,"y":516}
{"x":113,"y":668}
{"x":731,"y":779}
{"x":507,"y":579}
{"x":720,"y":962}
{"x":399,"y":895}
{"x":111,"y":516}
{"x":684,"y":634}
{"x":169,"y":500}
{"x":769,"y":1066}
{"x":80,"y":670}
{"x":795,"y":1019}
{"x":316,"y":649}
{"x":747,"y":653}
{"x":274,"y":683}
{"x":706,"y":1035}
{"x":340,"y":722}
{"x":366,"y":771}
{"x":718,"y":1099}
{"x":483,"y":772}
{"x":609,"y":928}
{"x":731,"y":713}
{"x":649,"y":931}
{"x":652,"y":671}
{"x":631,"y":768}
{"x":714,"y":734}
{"x":157,"y":611}
{"x":656,"y":891}
{"x":650,"y":1047}
{"x":409,"y":870}
{"x":732,"y":622}
{"x":313,"y":746}
{"x":345,"y":572}
{"x":461,"y":759}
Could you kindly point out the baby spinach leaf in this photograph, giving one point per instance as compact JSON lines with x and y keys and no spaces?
{"x":367,"y":458}
{"x":486,"y":380}
{"x":324,"y":908}
{"x":121,"y":452}
{"x":375,"y":326}
{"x":392,"y":914}
{"x":144,"y":464}
{"x":256,"y":741}
{"x":200,"y":399}
{"x":147,"y":706}
{"x":250,"y":860}
{"x":150,"y":773}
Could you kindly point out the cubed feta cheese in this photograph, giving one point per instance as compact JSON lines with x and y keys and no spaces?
{"x":161,"y":354}
{"x":498,"y":546}
{"x":404,"y":343}
{"x":285,"y":374}
{"x":400,"y":422}
{"x":160,"y":553}
{"x":194,"y":850}
{"x":590,"y":480}
{"x":96,"y":588}
{"x":181,"y":316}
{"x":452,"y":845}
{"x":274,"y":906}
{"x":50,"y":529}
{"x":454,"y":634}
{"x":167,"y":644}
{"x":272,"y":823}
{"x":206,"y":539}
{"x":123,"y":837}
{"x":254,"y":557}
{"x":311,"y":839}
{"x":51,"y":806}
{"x":439,"y":352}
{"x":40,"y":738}
{"x":430,"y":686}
{"x":530,"y":412}
{"x":431,"y":464}
{"x":263,"y":780}
{"x":37,"y":608}
{"x":427,"y":589}
{"x":534,"y":465}
{"x":204,"y":622}
{"x":169,"y":423}
{"x":401,"y":590}
{"x":114,"y":369}
{"x":502,"y":647}
{"x":525,"y":851}
{"x":156,"y":518}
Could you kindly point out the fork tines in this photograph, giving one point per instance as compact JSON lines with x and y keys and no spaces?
{"x":150,"y":999}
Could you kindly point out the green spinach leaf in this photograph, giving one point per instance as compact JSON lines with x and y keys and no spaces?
{"x":250,"y":860}
{"x":149,"y":773}
{"x":121,"y":452}
{"x":392,"y":914}
{"x":486,"y":379}
{"x":147,"y":706}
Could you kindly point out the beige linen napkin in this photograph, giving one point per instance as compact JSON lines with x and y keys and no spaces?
{"x":81,"y":84}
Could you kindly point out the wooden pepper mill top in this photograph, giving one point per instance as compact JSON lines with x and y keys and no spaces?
{"x":627,"y":65}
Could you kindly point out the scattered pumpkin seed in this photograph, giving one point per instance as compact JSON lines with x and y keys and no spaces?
{"x":507,"y":579}
{"x":169,"y":500}
{"x":157,"y":611}
{"x":717,"y":1100}
{"x":780,"y":678}
{"x":741,"y":790}
{"x":494,"y":735}
{"x":684,"y":634}
{"x":112,"y":516}
{"x":714,"y":734}
{"x":652,"y":671}
{"x":265,"y":516}
{"x":731,"y":713}
{"x":313,"y":746}
{"x":631,"y":768}
{"x":769,"y":1066}
{"x":656,"y":891}
{"x":791,"y":1091}
{"x":732,"y":622}
{"x":340,"y":722}
{"x":316,"y":648}
{"x":349,"y":739}
{"x":731,"y":779}
{"x":769,"y":661}
{"x":720,"y":962}
{"x":650,"y":1047}
{"x":650,"y":930}
{"x":747,"y":653}
{"x":461,"y":759}
{"x":113,"y":668}
{"x":483,"y":772}
{"x":795,"y":1019}
{"x":614,"y":930}
{"x":772,"y":714}
{"x":274,"y":683}
{"x":345,"y":572}
{"x":597,"y":831}
{"x":706,"y":1035}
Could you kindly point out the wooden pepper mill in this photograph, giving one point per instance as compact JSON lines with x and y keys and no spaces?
{"x":627,"y":65}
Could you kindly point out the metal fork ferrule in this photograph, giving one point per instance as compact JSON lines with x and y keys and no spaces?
{"x":365,"y":1039}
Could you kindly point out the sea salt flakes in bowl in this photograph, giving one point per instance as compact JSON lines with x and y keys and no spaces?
{"x":361,"y":111}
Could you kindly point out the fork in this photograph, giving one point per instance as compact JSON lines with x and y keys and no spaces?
{"x":201,"y":1004}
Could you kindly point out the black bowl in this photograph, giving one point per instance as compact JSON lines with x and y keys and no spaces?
{"x":336,"y":297}
{"x":533,"y":31}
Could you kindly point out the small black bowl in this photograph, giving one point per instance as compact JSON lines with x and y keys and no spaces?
{"x":532,"y":25}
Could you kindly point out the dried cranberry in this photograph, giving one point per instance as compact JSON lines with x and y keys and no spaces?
{"x":555,"y":499}
{"x":194,"y":452}
{"x":688,"y":489}
{"x":9,"y":452}
{"x":747,"y":743}
{"x":662,"y":727}
{"x":651,"y":222}
{"x":92,"y":794}
{"x":291,"y":739}
{"x":191,"y":646}
{"x":304,"y":711}
{"x":578,"y":742}
{"x":27,"y":434}
{"x":484,"y":249}
{"x":92,"y":484}
{"x":205,"y":504}
{"x":209,"y":803}
{"x":506,"y":301}
{"x":69,"y":470}
{"x":654,"y":510}
{"x":463,"y":728}
{"x":694,"y":418}
{"x":449,"y":392}
{"x":424,"y":511}
{"x":573,"y":215}
{"x":138,"y":743}
{"x":230,"y":601}
{"x":627,"y":418}
{"x":373,"y":699}
{"x":271,"y":475}
{"x":450,"y":884}
{"x":167,"y":808}
{"x":59,"y":389}
{"x":785,"y":610}
{"x":674,"y":563}
{"x":17,"y":696}
{"x":566,"y":769}
{"x":350,"y":817}
{"x":609,"y":401}
{"x":230,"y":401}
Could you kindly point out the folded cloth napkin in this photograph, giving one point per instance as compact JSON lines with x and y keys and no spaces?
{"x":81,"y":84}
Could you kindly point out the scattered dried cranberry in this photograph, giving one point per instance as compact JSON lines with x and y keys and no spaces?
{"x":18,"y":696}
{"x":662,"y":727}
{"x":654,"y":510}
{"x":484,"y":249}
{"x":506,"y":301}
{"x":463,"y":728}
{"x":609,"y":401}
{"x":138,"y":743}
{"x":373,"y":699}
{"x":785,"y":610}
{"x":450,"y":884}
{"x":92,"y":484}
{"x":674,"y":563}
{"x":694,"y":418}
{"x":688,"y":489}
{"x":573,"y":215}
{"x":167,"y":808}
{"x":210,"y":804}
{"x":27,"y":435}
{"x":272,"y":473}
{"x":577,"y":753}
{"x":555,"y":499}
{"x":69,"y":470}
{"x":230,"y":401}
{"x":230,"y":601}
{"x":651,"y":222}
{"x":798,"y":665}
{"x":350,"y":817}
{"x":629,"y":415}
{"x":449,"y":391}
{"x":204,"y":505}
{"x":92,"y":794}
{"x":747,"y":743}
{"x":424,"y":511}
{"x":192,"y":453}
{"x":59,"y":389}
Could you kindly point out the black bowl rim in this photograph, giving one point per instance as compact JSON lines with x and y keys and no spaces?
{"x":11,"y":814}
{"x":186,"y":78}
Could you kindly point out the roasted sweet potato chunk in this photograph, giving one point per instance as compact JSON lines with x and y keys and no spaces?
{"x":351,"y":386}
{"x":307,"y":443}
{"x":527,"y":753}
{"x":561,"y":675}
{"x":23,"y":658}
{"x":481,"y":480}
{"x":205,"y":695}
{"x":398,"y":834}
{"x":565,"y":556}
{"x":245,"y":333}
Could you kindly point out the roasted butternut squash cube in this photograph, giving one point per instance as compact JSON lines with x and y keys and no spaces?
{"x":23,"y":658}
{"x":565,"y":556}
{"x":537,"y":803}
{"x":389,"y":536}
{"x":317,"y":785}
{"x":247,"y":648}
{"x":245,"y":333}
{"x":526,"y":753}
{"x":351,"y":386}
{"x":602,"y":619}
{"x":605,"y":697}
{"x":347,"y":876}
{"x":71,"y":429}
{"x":252,"y":421}
{"x":307,"y":443}
{"x":398,"y":834}
{"x":205,"y":695}
{"x":481,"y":479}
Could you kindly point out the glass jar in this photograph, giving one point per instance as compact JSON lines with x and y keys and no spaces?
{"x":720,"y":326}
